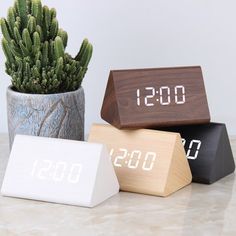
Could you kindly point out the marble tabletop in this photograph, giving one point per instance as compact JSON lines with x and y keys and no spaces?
{"x":195,"y":210}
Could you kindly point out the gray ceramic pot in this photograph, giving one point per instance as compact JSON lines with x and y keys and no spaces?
{"x":52,"y":115}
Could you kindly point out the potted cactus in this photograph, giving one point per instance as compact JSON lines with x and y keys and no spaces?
{"x":46,"y":97}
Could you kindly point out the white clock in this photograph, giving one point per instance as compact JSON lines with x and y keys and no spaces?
{"x":60,"y":171}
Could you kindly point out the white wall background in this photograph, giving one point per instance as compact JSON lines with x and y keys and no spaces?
{"x":149,"y":33}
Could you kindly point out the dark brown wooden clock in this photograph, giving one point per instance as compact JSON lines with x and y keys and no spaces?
{"x":146,"y":98}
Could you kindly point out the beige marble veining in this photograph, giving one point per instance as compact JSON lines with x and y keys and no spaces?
{"x":195,"y":210}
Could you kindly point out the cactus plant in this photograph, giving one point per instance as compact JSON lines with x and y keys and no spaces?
{"x":34,"y":47}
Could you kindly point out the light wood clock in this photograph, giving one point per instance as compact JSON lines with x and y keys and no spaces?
{"x":146,"y":98}
{"x":145,"y":161}
{"x":208,"y":151}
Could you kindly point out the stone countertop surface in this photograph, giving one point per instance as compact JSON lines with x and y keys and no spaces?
{"x":197,"y":209}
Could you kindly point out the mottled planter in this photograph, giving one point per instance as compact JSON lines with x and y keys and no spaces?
{"x":53,"y":115}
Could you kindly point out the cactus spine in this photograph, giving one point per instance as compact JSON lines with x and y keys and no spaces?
{"x":34,"y":47}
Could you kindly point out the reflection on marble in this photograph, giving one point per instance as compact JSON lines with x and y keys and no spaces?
{"x":195,"y":210}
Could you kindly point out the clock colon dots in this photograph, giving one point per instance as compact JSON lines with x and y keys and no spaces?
{"x":134,"y":159}
{"x":56,"y":171}
{"x":193,"y":148}
{"x":162,"y":95}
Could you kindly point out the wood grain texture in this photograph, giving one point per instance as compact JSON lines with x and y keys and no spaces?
{"x":170,"y":171}
{"x":215,"y":159}
{"x":120,"y":107}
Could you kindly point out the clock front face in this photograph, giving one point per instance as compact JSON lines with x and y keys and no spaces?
{"x":140,"y":158}
{"x":157,"y":97}
{"x":202,"y":144}
{"x":198,"y":140}
{"x":52,"y":170}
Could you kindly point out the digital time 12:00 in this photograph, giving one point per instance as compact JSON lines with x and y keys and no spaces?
{"x":161,"y":95}
{"x":56,"y":171}
{"x":133,"y":159}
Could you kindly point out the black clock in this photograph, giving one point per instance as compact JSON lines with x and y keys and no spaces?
{"x":208,"y":151}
